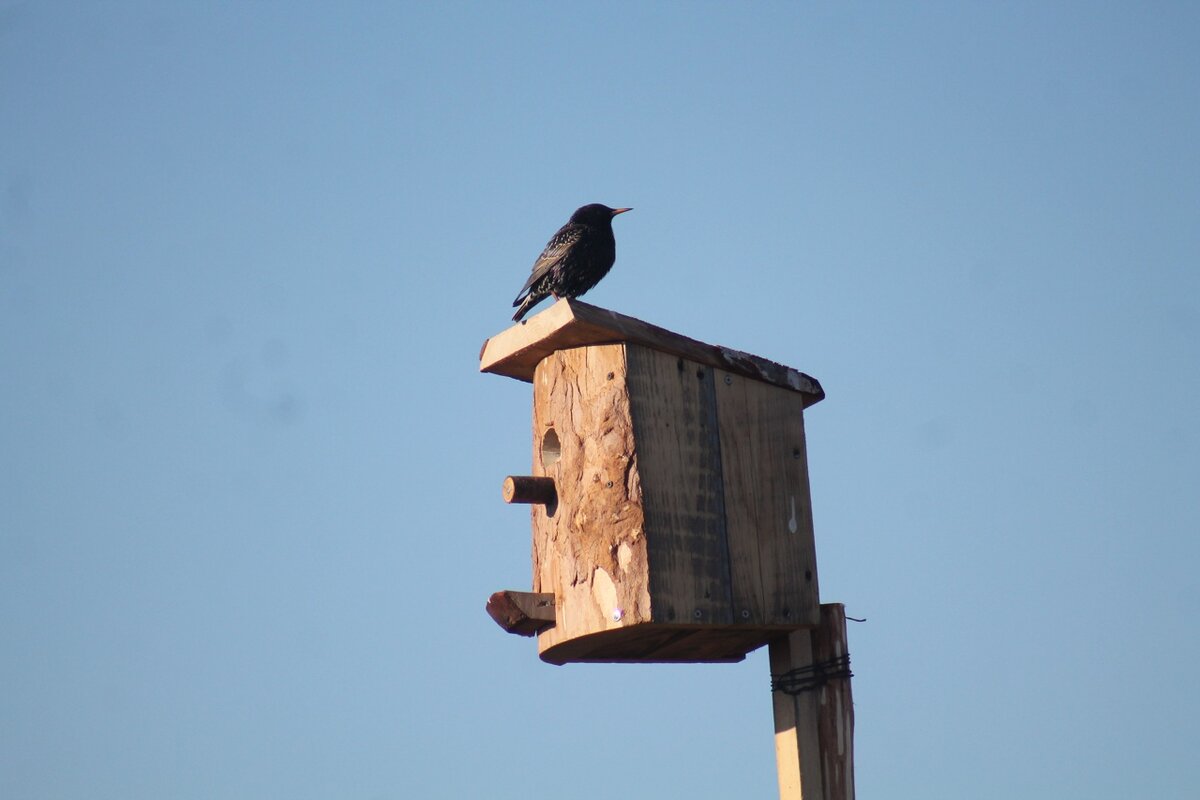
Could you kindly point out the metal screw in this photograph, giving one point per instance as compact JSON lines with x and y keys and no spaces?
{"x":697,"y":613}
{"x":745,"y":614}
{"x":728,"y":380}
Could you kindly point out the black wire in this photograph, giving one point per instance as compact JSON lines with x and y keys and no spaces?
{"x":814,"y":676}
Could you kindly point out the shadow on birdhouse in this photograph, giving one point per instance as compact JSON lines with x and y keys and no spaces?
{"x":671,"y":513}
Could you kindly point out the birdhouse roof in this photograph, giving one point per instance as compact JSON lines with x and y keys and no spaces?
{"x":515,"y":352}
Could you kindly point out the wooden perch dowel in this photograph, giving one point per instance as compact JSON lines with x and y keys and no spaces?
{"x":529,"y":489}
{"x":522,"y":613}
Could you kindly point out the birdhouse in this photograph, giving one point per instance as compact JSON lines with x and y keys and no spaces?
{"x":669,"y":488}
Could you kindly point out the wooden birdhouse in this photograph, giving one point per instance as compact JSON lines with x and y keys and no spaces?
{"x":671,"y":510}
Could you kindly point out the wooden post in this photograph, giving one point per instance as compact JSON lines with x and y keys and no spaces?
{"x":835,"y":717}
{"x":814,"y":730}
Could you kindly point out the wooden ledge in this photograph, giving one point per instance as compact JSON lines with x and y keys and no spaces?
{"x":522,"y":613}
{"x":515,"y":352}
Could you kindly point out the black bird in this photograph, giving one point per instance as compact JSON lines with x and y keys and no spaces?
{"x":575,"y":258}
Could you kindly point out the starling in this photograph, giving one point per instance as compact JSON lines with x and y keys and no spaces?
{"x":575,"y":258}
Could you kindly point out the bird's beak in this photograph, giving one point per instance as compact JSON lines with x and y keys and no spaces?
{"x":620,"y":211}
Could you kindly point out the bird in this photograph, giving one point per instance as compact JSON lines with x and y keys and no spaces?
{"x":575,"y":259}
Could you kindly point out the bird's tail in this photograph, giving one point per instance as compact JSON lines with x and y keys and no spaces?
{"x":529,"y":302}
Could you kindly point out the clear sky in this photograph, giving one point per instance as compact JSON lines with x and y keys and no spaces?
{"x":250,"y":477}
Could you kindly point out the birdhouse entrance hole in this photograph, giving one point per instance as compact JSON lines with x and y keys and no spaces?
{"x":551,"y":449}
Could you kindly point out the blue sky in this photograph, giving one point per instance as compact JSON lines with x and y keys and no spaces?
{"x":250,"y":478}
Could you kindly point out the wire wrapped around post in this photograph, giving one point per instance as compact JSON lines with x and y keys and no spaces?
{"x":813,"y":676}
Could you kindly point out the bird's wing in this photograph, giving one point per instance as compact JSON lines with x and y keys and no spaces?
{"x":558,"y":246}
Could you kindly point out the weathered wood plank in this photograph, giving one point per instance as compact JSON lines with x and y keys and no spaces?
{"x":767,"y":503}
{"x":673,"y":407}
{"x":515,"y":352}
{"x":590,"y":549}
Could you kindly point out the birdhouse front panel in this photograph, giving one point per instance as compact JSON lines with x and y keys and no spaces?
{"x":682,"y":527}
{"x":589,"y":546}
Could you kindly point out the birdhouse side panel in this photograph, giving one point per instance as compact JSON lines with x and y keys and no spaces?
{"x":673,"y":405}
{"x":767,"y":503}
{"x":589,"y":549}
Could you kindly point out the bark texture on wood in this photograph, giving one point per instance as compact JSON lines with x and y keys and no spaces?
{"x":591,"y":553}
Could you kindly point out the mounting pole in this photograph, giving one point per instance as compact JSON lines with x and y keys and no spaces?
{"x":814,"y":730}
